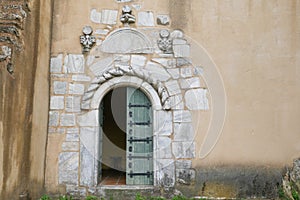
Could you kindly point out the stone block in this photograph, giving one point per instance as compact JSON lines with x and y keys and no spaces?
{"x":89,"y":119}
{"x":157,"y":71}
{"x":76,"y":89}
{"x":74,"y":63}
{"x":72,"y":137}
{"x":178,"y":41}
{"x":109,"y":16}
{"x":59,"y":87}
{"x":164,"y":150}
{"x":181,"y":51}
{"x":56,"y":64}
{"x":57,"y":103}
{"x":76,"y":191}
{"x":70,"y":146}
{"x":81,"y":78}
{"x":176,"y":102}
{"x":183,"y":62}
{"x":95,"y":16}
{"x":163,"y":20}
{"x":183,"y":132}
{"x":173,"y":87}
{"x":68,"y":164}
{"x":122,"y":60}
{"x":138,"y":61}
{"x":186,"y":72}
{"x":164,"y":123}
{"x":182,"y":116}
{"x":73,"y":130}
{"x":183,"y":164}
{"x":123,"y":1}
{"x":145,"y":19}
{"x":67,"y":120}
{"x":174,"y":73}
{"x":190,"y":83}
{"x":56,"y":130}
{"x":196,"y":99}
{"x":73,"y":104}
{"x":101,"y":31}
{"x":88,"y":168}
{"x":198,"y":71}
{"x":183,"y":149}
{"x":168,"y":63}
{"x":99,"y":67}
{"x":185,"y":176}
{"x":53,"y":118}
{"x":166,"y":172}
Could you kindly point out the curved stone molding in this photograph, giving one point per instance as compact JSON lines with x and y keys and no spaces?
{"x":128,"y":71}
{"x":127,"y":41}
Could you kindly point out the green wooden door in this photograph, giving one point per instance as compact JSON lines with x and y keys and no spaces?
{"x":139,"y":147}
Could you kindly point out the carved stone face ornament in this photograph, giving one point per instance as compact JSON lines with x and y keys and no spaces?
{"x":127,"y":17}
{"x":87,"y":40}
{"x":165,"y":43}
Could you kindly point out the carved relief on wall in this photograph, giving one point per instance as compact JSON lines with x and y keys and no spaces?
{"x":12,"y":17}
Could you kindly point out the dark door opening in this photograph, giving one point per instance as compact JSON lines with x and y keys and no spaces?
{"x":127,"y":138}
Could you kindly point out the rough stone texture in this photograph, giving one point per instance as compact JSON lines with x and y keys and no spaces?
{"x":67,"y":120}
{"x":89,"y":119}
{"x":166,"y":173}
{"x":59,"y":87}
{"x":190,"y":83}
{"x":185,"y":176}
{"x":95,"y":16}
{"x":173,"y":87}
{"x":76,"y":191}
{"x":72,"y":137}
{"x":174,"y":73}
{"x":183,"y":132}
{"x":138,"y":61}
{"x":68,"y":168}
{"x":164,"y":150}
{"x":99,"y":67}
{"x":157,"y":71}
{"x":74,"y":64}
{"x":198,"y":71}
{"x":186,"y":72}
{"x":176,"y":102}
{"x":73,"y":104}
{"x":57,"y":102}
{"x":53,"y":118}
{"x":70,"y":146}
{"x":163,"y":20}
{"x":109,"y":16}
{"x":183,"y":164}
{"x":145,"y":19}
{"x":181,"y":51}
{"x":76,"y":89}
{"x":164,"y":123}
{"x":182,"y":116}
{"x":183,"y":149}
{"x":168,"y":63}
{"x":56,"y":64}
{"x":81,"y":78}
{"x":196,"y":99}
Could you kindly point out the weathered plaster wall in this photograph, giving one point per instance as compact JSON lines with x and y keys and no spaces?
{"x":23,"y":116}
{"x":255,"y":46}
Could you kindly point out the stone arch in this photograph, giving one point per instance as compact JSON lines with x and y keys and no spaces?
{"x":125,"y":74}
{"x":129,"y":41}
{"x":89,"y":126}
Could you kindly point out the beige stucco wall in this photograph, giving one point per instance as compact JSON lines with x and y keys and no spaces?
{"x":255,"y":46}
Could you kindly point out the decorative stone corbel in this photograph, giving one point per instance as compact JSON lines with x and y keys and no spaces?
{"x":165,"y":43}
{"x":127,"y":17}
{"x":87,"y":40}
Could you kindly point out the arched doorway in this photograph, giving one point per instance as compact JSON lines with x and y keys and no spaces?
{"x":126,"y":122}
